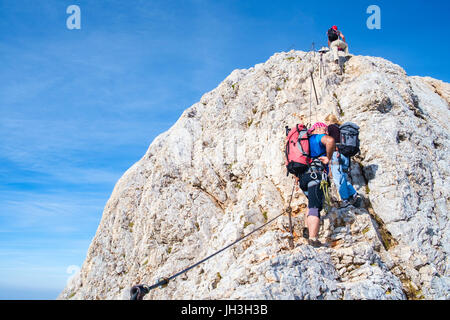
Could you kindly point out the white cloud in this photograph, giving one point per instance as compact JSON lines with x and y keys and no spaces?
{"x":64,"y":212}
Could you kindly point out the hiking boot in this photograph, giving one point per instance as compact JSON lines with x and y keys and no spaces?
{"x":314,"y":243}
{"x":356,"y":200}
{"x":344,"y":204}
{"x":305,"y":233}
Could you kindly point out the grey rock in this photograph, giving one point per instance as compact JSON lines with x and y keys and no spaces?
{"x":219,"y":172}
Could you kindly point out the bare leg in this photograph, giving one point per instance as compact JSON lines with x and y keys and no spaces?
{"x":313,"y":224}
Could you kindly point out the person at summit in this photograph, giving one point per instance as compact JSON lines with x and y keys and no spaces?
{"x":335,"y":43}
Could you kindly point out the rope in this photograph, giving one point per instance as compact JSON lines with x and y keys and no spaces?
{"x":310,"y":93}
{"x":289,"y":210}
{"x":324,"y":187}
{"x":139,"y":291}
{"x":314,"y":86}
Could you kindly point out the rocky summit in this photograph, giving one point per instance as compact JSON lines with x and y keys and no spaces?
{"x":219,"y":173}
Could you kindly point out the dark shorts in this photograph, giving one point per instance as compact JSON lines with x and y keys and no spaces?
{"x":311,"y":188}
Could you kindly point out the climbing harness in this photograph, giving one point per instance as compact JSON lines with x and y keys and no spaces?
{"x":138,"y":292}
{"x":318,"y":173}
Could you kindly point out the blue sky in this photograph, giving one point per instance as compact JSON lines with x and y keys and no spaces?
{"x":79,"y":107}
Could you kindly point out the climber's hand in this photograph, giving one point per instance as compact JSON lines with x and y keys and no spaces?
{"x":324,"y":160}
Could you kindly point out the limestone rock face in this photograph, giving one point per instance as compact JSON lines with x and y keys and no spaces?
{"x":218,"y":173}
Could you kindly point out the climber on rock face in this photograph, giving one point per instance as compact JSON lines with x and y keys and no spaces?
{"x":322,"y":147}
{"x":334,"y":43}
{"x":339,"y":166}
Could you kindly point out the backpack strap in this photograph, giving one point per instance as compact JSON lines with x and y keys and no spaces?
{"x":300,"y":145}
{"x":286,"y":151}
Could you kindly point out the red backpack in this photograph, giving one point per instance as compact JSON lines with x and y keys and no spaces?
{"x":297,"y":150}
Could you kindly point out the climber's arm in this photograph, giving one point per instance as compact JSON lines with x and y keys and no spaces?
{"x":330,"y":146}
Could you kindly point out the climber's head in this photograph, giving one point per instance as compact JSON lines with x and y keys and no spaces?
{"x":319,"y":128}
{"x":332,"y":119}
{"x":334,"y":27}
